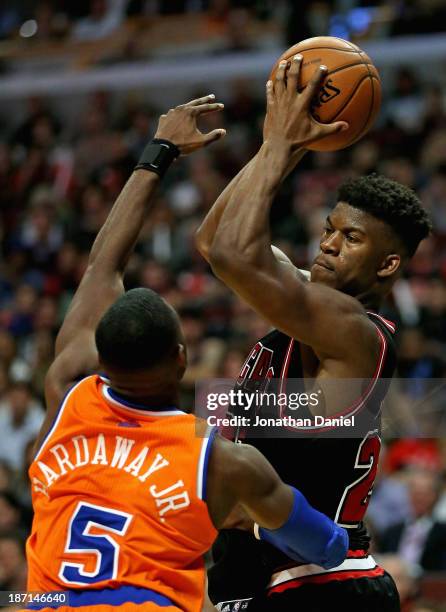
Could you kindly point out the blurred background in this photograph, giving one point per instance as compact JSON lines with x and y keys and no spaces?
{"x":81,"y":86}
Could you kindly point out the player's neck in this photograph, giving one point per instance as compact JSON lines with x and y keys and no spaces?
{"x":158,"y":401}
{"x":370,"y":302}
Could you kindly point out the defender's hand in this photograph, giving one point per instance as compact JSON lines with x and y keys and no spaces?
{"x":179,"y":125}
{"x":288,"y":119}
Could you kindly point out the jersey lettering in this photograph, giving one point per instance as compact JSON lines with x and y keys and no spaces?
{"x":257,"y":371}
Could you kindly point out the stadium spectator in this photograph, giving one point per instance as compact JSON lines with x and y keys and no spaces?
{"x":20,"y":419}
{"x":12,"y":564}
{"x":421,"y":540}
{"x":389,"y":504}
{"x":6,"y":476}
{"x":104,"y":17}
{"x":405,"y":577}
{"x":204,"y":354}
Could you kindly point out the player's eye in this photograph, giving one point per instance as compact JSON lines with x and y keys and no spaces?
{"x":327,"y":230}
{"x":351,"y":238}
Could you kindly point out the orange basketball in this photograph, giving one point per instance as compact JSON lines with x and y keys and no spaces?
{"x":350,"y":92}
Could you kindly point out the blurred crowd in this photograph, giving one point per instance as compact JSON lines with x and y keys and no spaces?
{"x":88,"y":20}
{"x":57,"y":184}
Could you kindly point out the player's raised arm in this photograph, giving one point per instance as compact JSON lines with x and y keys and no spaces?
{"x":240,"y":474}
{"x":206,"y":232}
{"x":241,"y":254}
{"x":102,"y":283}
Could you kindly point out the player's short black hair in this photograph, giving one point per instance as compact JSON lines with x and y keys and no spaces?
{"x":138,"y":331}
{"x":393,"y":203}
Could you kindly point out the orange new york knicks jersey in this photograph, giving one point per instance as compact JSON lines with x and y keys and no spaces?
{"x":118,"y":494}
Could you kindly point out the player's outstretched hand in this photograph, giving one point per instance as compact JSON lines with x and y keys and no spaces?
{"x":179,"y":125}
{"x":289,"y":121}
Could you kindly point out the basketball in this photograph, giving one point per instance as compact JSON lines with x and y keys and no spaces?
{"x":351,"y":91}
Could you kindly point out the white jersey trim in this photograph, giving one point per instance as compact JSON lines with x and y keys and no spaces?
{"x":156,"y":413}
{"x":203,"y":462}
{"x":302,"y":571}
{"x":361,"y":401}
{"x":391,"y":326}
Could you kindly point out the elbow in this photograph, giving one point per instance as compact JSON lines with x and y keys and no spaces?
{"x":219,"y":259}
{"x":226,"y":260}
{"x":202,"y":244}
{"x":214,"y":252}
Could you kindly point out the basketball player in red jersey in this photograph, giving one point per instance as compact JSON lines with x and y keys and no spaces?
{"x":326,"y":329}
{"x":128,"y":490}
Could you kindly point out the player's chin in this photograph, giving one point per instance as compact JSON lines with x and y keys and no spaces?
{"x":322,"y":275}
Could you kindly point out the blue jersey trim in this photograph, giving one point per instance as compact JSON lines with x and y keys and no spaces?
{"x":206,"y":461}
{"x":131,"y":404}
{"x":113,"y":597}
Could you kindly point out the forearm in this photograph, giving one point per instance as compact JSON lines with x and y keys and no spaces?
{"x":308,"y":535}
{"x":116,"y":240}
{"x":243,"y":232}
{"x":206,"y":232}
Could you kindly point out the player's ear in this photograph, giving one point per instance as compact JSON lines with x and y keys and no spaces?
{"x":101,"y":367}
{"x":389,"y":266}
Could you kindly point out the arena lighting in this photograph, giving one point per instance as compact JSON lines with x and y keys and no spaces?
{"x":354,"y":22}
{"x":28,"y":28}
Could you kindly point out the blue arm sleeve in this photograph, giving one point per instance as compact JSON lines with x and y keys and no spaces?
{"x":309,"y":536}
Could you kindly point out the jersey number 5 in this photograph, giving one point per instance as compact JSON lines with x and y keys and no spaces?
{"x":356,"y":496}
{"x":81,"y":540}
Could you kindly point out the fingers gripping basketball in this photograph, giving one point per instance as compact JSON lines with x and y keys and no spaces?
{"x":351,"y":90}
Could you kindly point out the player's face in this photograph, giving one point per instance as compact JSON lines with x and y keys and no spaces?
{"x":352,"y":248}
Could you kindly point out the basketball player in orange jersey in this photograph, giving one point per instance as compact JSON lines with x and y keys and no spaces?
{"x":326,"y":329}
{"x":128,"y":490}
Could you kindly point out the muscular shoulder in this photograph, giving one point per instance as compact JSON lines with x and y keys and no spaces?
{"x":357,"y":343}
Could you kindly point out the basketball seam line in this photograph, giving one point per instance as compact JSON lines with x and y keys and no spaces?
{"x":348,"y":66}
{"x":372,"y":102}
{"x":348,"y":43}
{"x":370,"y":63}
{"x":301,"y":89}
{"x":358,"y":135}
{"x":325,"y":48}
{"x":366,"y":76}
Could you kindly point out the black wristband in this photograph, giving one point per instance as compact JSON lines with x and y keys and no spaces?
{"x":157,"y":156}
